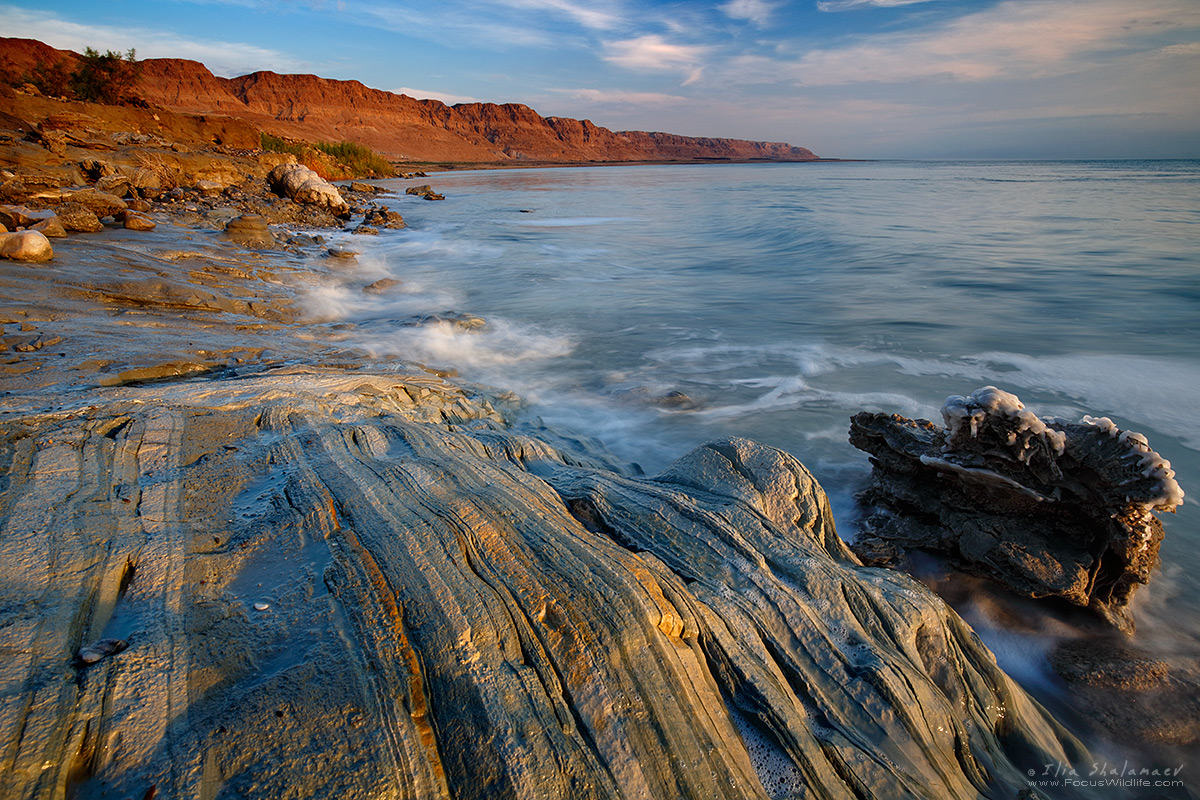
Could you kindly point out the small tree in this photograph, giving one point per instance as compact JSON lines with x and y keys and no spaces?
{"x":107,"y":78}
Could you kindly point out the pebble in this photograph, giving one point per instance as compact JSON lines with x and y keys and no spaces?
{"x":261,"y":606}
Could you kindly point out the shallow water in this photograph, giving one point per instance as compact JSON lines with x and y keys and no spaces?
{"x":782,"y":299}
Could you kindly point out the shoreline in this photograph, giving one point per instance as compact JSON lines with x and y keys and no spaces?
{"x":219,"y":473}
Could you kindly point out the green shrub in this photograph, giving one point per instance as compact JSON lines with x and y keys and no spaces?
{"x":274,"y":144}
{"x":358,"y":160}
{"x":107,"y":78}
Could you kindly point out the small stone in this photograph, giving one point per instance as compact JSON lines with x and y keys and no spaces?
{"x":136,"y":222}
{"x":261,"y":606}
{"x":342,"y":252}
{"x":25,"y":246}
{"x":98,"y":651}
{"x":209,"y":188}
{"x":367,"y":230}
{"x":79,"y":218}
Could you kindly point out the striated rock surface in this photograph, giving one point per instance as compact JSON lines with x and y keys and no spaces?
{"x":369,"y":574}
{"x":1047,"y":507}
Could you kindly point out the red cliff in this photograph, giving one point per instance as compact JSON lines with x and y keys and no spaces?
{"x":312,"y":108}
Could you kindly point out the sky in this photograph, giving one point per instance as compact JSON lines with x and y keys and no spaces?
{"x":845,"y":78}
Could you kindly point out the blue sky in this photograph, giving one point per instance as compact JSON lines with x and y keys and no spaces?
{"x":846,"y":78}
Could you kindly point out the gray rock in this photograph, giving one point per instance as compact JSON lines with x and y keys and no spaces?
{"x":1046,"y":507}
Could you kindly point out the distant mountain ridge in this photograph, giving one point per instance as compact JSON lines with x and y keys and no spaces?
{"x":313,"y":108}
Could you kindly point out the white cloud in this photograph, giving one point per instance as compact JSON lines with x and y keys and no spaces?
{"x":222,"y":58}
{"x":755,"y":11}
{"x":651,"y":53}
{"x":445,"y":97}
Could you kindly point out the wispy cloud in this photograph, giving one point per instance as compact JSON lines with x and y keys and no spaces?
{"x":621,"y":97}
{"x":457,"y":27}
{"x":850,"y":5}
{"x":587,"y":15}
{"x":222,"y":58}
{"x":1011,"y":40}
{"x":754,"y":11}
{"x":652,"y":53}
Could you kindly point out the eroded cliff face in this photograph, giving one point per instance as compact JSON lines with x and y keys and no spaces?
{"x":351,"y":585}
{"x":309,"y":107}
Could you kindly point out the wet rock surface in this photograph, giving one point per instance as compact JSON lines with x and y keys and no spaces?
{"x":1047,"y":507}
{"x":454,"y":610}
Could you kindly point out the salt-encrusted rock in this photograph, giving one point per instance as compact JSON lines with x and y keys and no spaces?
{"x":79,"y":218}
{"x":303,"y":185}
{"x":25,"y":246}
{"x":457,"y":611}
{"x":1047,"y":507}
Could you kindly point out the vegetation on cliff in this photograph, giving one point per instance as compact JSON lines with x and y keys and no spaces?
{"x":332,"y":160}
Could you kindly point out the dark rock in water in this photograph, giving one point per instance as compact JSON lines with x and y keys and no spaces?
{"x":366,"y":230}
{"x":426,"y":191}
{"x":381,"y":286}
{"x":454,"y":319}
{"x":384,"y":218}
{"x":1130,"y":694}
{"x":98,"y":651}
{"x":1047,"y":507}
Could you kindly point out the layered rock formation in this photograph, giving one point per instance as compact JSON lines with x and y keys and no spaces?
{"x":1047,"y":507}
{"x":349,"y":585}
{"x":312,"y":108}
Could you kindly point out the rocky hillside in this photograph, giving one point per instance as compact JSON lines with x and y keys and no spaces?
{"x":313,"y":108}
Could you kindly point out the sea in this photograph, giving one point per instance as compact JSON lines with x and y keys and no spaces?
{"x":643,"y":310}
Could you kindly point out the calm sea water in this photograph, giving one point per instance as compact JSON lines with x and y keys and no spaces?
{"x":782,"y":299}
